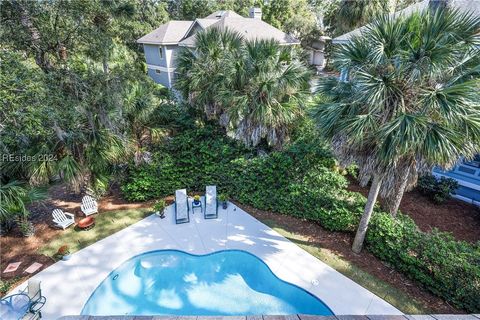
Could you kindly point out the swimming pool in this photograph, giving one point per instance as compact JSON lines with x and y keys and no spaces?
{"x":171,"y":282}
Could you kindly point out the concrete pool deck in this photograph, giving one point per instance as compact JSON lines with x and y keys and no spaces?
{"x":68,"y":284}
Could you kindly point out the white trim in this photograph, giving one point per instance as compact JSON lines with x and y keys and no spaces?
{"x":289,"y":43}
{"x":180,"y":44}
{"x":340,"y":41}
{"x":169,"y":75}
{"x":191,"y":27}
{"x":158,"y":43}
{"x":461,"y":182}
{"x":186,"y":45}
{"x":465,"y":199}
{"x":164,"y":69}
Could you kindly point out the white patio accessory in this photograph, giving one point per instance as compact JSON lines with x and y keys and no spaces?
{"x":211,"y":205}
{"x":63,"y":219}
{"x":89,"y":206}
{"x":181,"y":207}
{"x":33,"y":290}
{"x":37,"y":301}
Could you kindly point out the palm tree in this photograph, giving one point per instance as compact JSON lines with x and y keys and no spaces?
{"x":140,"y":115}
{"x":352,"y":14}
{"x":255,"y":89}
{"x":202,"y":72}
{"x":267,"y":93}
{"x":411,"y":102}
{"x":15,"y":196}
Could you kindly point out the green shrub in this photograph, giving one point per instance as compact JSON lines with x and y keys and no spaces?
{"x":302,"y":181}
{"x":192,"y":159}
{"x":352,"y":170}
{"x":6,"y":285}
{"x":438,"y":190}
{"x":446,"y":267}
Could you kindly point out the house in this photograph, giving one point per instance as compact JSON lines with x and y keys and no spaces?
{"x":162,"y":44}
{"x":316,"y":52}
{"x":467,"y":171}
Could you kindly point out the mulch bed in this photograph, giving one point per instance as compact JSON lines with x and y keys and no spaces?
{"x":340,"y":243}
{"x":457,"y":217}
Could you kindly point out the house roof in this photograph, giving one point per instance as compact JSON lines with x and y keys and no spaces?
{"x":223,"y":13}
{"x":205,"y":23}
{"x":249,"y":29}
{"x":169,"y":33}
{"x":462,"y":5}
{"x":174,"y":32}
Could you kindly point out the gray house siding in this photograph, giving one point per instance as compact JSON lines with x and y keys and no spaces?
{"x":467,"y":174}
{"x":163,"y":63}
{"x":152,"y":55}
{"x":172,"y":52}
{"x":161,"y":78}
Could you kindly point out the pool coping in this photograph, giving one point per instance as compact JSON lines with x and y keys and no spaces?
{"x":68,"y":284}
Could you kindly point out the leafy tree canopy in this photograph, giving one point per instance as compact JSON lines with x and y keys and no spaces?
{"x":411,"y":101}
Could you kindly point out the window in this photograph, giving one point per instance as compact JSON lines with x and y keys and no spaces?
{"x":157,"y":71}
{"x":160,"y":52}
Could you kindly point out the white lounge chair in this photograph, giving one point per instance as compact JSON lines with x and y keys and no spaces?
{"x":89,"y":206}
{"x":211,"y":205}
{"x":63,"y":219}
{"x":181,"y":207}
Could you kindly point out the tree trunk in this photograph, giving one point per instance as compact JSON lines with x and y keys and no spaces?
{"x":392,"y":203}
{"x":106,"y":67}
{"x":41,"y":57}
{"x":367,"y":213}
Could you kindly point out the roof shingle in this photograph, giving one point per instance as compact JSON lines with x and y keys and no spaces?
{"x":249,"y":29}
{"x":169,"y":33}
{"x":174,"y":32}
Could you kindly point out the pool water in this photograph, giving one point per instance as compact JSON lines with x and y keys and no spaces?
{"x":171,"y":282}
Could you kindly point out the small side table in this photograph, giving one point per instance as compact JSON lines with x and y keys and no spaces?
{"x":197,"y":205}
{"x":15,"y":306}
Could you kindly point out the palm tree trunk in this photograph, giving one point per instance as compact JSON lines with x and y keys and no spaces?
{"x":393,"y":203}
{"x":106,"y":67}
{"x":367,"y":213}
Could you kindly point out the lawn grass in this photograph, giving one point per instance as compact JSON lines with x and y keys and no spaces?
{"x":392,"y":295}
{"x":106,"y":223}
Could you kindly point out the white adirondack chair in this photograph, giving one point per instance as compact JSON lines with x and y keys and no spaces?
{"x":89,"y":206}
{"x":63,"y":219}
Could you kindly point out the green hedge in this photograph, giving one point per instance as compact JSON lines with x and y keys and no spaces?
{"x":302,"y":181}
{"x":448,"y":268}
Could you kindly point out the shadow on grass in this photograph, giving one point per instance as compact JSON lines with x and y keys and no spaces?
{"x":106,"y":224}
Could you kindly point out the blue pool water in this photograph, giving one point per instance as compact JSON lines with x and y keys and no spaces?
{"x":167,"y":282}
